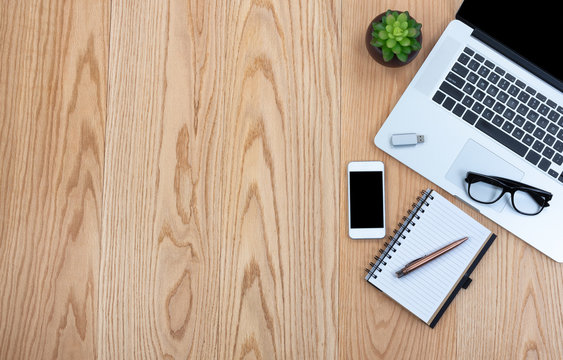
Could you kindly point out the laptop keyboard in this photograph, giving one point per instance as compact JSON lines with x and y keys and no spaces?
{"x":506,"y":109}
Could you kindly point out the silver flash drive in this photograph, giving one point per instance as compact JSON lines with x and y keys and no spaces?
{"x":406,"y":139}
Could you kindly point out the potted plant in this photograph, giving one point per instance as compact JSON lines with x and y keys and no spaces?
{"x":394,"y":38}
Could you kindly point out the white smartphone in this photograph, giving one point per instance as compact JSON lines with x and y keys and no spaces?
{"x":366,"y":200}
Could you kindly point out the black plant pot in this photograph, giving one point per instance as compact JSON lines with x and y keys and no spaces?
{"x":376,"y":52}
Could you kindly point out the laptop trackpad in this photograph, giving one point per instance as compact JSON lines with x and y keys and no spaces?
{"x":476,"y":158}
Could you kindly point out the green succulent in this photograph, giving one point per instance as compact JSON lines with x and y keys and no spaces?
{"x":396,"y":35}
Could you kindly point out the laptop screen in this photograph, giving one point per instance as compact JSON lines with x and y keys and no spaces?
{"x":531,"y":31}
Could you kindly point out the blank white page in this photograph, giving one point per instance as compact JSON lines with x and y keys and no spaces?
{"x":425,"y":289}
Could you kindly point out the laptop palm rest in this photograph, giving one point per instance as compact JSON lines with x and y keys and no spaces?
{"x":476,"y":158}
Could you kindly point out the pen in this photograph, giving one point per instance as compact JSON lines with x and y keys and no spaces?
{"x":415,"y":264}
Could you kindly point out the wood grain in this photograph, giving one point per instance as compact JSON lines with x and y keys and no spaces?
{"x":279,"y":273}
{"x":53,"y":64}
{"x":162,"y":198}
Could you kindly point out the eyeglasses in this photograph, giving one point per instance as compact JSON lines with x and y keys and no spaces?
{"x":526,"y":199}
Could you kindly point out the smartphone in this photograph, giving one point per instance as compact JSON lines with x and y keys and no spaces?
{"x":366,"y":200}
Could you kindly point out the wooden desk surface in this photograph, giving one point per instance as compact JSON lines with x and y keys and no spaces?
{"x":172,"y":185}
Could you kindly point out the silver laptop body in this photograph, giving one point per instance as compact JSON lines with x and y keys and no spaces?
{"x":455,"y":145}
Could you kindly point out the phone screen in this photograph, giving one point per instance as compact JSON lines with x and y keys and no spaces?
{"x":366,"y":199}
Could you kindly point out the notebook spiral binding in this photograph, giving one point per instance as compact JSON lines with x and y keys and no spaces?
{"x":399,"y":233}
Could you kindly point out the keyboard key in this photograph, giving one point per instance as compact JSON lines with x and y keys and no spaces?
{"x":533,"y":157}
{"x":542,"y":122}
{"x":551,"y":128}
{"x":497,"y":120}
{"x":528,"y":139}
{"x":470,"y":117}
{"x":539,"y":133}
{"x":543,"y":109}
{"x":472,"y":77}
{"x":489,"y":64}
{"x":524,"y":97}
{"x":552,"y":173}
{"x":468,"y":88}
{"x":499,"y":108}
{"x":522,"y":109}
{"x":449,"y":103}
{"x":479,"y":57}
{"x":455,"y":80}
{"x":533,"y":103}
{"x":508,"y":127}
{"x":468,"y":51}
{"x":558,"y":159}
{"x":458,"y":110}
{"x":548,"y":140}
{"x":560,"y":135}
{"x":451,"y":91}
{"x":518,"y":133}
{"x":489,"y":101}
{"x":558,"y":146}
{"x":483,"y":71}
{"x":560,"y":178}
{"x":509,"y":114}
{"x":530,"y":91}
{"x":494,"y":77}
{"x":492,"y":90}
{"x":520,"y":84}
{"x":551,"y":104}
{"x":519,"y":120}
{"x":468,"y":101}
{"x":538,"y":146}
{"x":548,"y":152}
{"x":503,"y":84}
{"x":532,"y":115}
{"x":477,"y":108}
{"x":501,"y":137}
{"x":460,"y":69}
{"x":512,"y":103}
{"x":479,"y":95}
{"x":482,"y":84}
{"x":473,"y":65}
{"x":553,"y":116}
{"x":500,"y":71}
{"x":502,"y":97}
{"x":529,"y":127}
{"x":439,"y":97}
{"x":560,"y":109}
{"x":513,"y":90}
{"x":544,"y":164}
{"x":463,"y":58}
{"x":509,"y":77}
{"x":541,"y":97}
{"x":488,"y":114}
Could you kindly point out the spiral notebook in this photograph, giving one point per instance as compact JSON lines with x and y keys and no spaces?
{"x":432,"y":223}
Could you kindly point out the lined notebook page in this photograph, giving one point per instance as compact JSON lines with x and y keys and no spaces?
{"x":424,"y":290}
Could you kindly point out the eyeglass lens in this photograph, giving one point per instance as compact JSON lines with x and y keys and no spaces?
{"x":526,"y":203}
{"x":522,"y":201}
{"x":485,"y":192}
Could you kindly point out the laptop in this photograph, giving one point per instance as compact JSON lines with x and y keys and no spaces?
{"x":488,"y":100}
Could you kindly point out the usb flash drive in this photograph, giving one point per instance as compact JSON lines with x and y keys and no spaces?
{"x":406,"y":139}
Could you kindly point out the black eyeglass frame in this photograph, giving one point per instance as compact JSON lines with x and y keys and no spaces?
{"x":542,"y":197}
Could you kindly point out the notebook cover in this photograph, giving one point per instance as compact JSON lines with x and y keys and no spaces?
{"x":462,"y":280}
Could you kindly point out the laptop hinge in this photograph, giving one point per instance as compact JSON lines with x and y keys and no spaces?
{"x":483,"y":37}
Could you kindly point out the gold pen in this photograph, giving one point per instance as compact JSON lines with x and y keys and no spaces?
{"x":415,"y":264}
